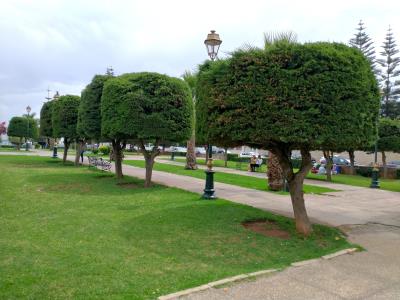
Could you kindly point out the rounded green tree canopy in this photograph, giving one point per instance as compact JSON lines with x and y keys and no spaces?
{"x":18,"y":127}
{"x":389,"y":135}
{"x":46,"y":126}
{"x":314,"y":95}
{"x":146,"y":106}
{"x":65,"y":116}
{"x":89,"y":113}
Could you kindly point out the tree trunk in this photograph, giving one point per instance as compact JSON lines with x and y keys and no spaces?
{"x":226,"y":157}
{"x":117,"y":153}
{"x":77,"y":153}
{"x":303,"y":224}
{"x":295,"y":181}
{"x":191,"y":153}
{"x":19,"y":144}
{"x":384,"y":164}
{"x":149,"y":170}
{"x":149,"y":157}
{"x":329,"y":163}
{"x":79,"y":148}
{"x":274,"y":173}
{"x":66,"y":147}
{"x":352,"y":161}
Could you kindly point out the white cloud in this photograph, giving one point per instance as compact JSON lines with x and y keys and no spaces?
{"x":62,"y":44}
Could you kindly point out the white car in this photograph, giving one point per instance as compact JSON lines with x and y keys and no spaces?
{"x":247,"y":154}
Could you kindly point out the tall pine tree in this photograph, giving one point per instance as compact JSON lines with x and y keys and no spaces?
{"x":390,"y":70}
{"x":363,"y":42}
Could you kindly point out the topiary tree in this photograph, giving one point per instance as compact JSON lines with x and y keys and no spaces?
{"x":289,"y":96}
{"x":64,"y":120}
{"x":147,"y":107}
{"x":388,"y":138}
{"x":18,"y":127}
{"x":89,"y":111}
{"x":46,"y":123}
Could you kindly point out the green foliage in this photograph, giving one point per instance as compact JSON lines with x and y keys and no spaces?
{"x":390,"y":64}
{"x":89,"y":112}
{"x":364,"y":43}
{"x":313,"y":95}
{"x":146,"y":106}
{"x":46,"y":123}
{"x":104,"y":149}
{"x":19,"y":127}
{"x":389,"y":135}
{"x":65,"y":116}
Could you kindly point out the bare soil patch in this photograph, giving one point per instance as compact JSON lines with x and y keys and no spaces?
{"x":128,"y":185}
{"x":267,"y":228}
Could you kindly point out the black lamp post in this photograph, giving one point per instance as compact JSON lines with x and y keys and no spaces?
{"x":375,"y":170}
{"x":28,"y":110}
{"x":212,"y":44}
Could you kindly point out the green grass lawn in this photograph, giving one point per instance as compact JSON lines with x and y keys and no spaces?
{"x":221,"y":163}
{"x":239,"y":180}
{"x":70,"y":232}
{"x":12,"y":150}
{"x":357,"y":180}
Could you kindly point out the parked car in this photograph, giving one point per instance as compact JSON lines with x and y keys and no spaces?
{"x":200,"y":150}
{"x":393,"y":164}
{"x":337,"y":160}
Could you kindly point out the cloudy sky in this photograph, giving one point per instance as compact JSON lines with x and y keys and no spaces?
{"x":62,"y":44}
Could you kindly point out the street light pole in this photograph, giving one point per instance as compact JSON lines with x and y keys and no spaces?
{"x":28,"y":110}
{"x":375,"y":170}
{"x":212,"y":44}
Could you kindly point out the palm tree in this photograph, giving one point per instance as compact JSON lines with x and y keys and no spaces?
{"x":274,"y":171}
{"x":190,"y":78}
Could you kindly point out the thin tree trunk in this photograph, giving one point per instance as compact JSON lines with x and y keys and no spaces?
{"x":66,"y":147}
{"x":79,"y":148}
{"x":191,"y":153}
{"x":329,"y":163}
{"x":149,"y":170}
{"x":77,"y":153}
{"x":303,"y":224}
{"x":295,"y":181}
{"x":352,"y":161}
{"x":117,"y":150}
{"x":149,"y":157}
{"x":274,"y":173}
{"x":384,"y":164}
{"x":19,"y":144}
{"x":226,"y":157}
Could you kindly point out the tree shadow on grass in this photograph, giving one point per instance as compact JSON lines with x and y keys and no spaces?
{"x":90,"y":183}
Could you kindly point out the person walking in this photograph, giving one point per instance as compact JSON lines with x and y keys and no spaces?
{"x":82,"y":152}
{"x":253,"y":163}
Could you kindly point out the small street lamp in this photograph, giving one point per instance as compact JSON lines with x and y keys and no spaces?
{"x":212,"y":43}
{"x":28,"y":110}
{"x":375,"y":170}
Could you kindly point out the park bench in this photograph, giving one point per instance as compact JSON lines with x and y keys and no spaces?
{"x":105,"y":165}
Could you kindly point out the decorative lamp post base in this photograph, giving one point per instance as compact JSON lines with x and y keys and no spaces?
{"x":209,"y":192}
{"x":55,"y":152}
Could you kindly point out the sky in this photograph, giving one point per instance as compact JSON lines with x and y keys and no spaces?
{"x":61,"y":45}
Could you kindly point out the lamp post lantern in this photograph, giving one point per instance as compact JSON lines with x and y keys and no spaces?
{"x":28,"y":110}
{"x":212,"y":43}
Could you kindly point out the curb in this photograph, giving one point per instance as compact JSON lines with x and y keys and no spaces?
{"x":251,"y":275}
{"x":215,"y":284}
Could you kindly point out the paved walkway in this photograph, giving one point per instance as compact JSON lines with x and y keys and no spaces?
{"x":373,"y":274}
